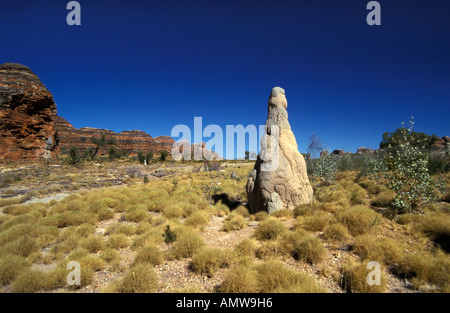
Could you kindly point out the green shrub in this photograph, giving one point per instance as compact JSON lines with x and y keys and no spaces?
{"x":404,"y":170}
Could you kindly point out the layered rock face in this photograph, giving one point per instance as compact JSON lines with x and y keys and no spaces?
{"x":27,"y":115}
{"x":132,"y":141}
{"x":279,"y":178}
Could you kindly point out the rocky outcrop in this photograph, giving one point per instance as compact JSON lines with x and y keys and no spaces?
{"x":164,"y":143}
{"x":338,"y":153}
{"x":132,"y":141}
{"x":365,"y":151}
{"x":279,"y":179}
{"x":441,"y":143}
{"x":27,"y":115}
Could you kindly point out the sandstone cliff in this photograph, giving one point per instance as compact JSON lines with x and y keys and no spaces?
{"x":132,"y":141}
{"x":27,"y":115}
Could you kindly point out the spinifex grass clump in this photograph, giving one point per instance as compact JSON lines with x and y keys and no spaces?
{"x":270,"y":229}
{"x":358,"y":219}
{"x":140,"y":278}
{"x":207,"y":261}
{"x":233,"y":222}
{"x":189,"y":243}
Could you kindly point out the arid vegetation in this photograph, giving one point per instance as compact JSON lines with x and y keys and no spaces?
{"x":187,"y":229}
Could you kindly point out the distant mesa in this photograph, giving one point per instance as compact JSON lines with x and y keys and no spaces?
{"x":132,"y":141}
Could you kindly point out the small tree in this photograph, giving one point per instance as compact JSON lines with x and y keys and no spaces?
{"x":141,"y":157}
{"x":113,"y":153}
{"x":74,"y":156}
{"x":101,"y":142}
{"x":169,"y":236}
{"x":247,"y":155}
{"x":149,"y":157}
{"x":163,"y":156}
{"x":404,"y":170}
{"x":322,"y":168}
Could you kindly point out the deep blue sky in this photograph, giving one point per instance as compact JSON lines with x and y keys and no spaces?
{"x":151,"y":65}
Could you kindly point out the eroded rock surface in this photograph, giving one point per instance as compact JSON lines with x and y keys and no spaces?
{"x":279,"y":179}
{"x":27,"y":115}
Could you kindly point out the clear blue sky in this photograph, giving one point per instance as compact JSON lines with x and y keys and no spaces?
{"x":153,"y":64}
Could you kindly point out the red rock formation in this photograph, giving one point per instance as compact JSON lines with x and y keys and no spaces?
{"x":364,"y":150}
{"x":164,"y":143}
{"x":27,"y":115}
{"x":132,"y":141}
{"x":30,"y":128}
